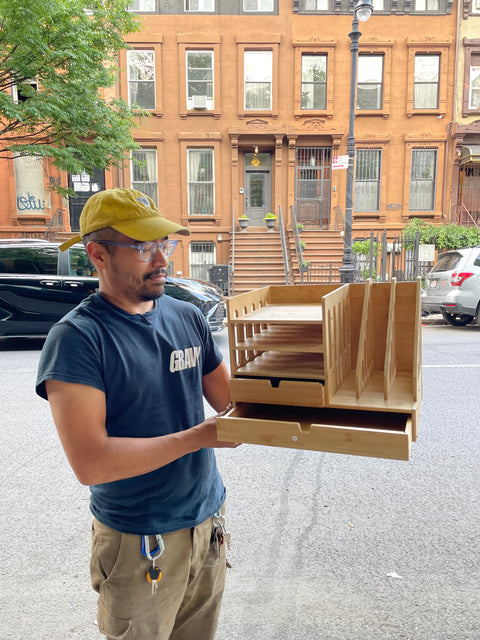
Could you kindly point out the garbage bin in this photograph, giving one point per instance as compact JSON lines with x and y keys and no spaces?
{"x":218,"y":274}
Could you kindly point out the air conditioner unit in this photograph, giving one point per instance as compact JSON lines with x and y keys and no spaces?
{"x":199,"y":102}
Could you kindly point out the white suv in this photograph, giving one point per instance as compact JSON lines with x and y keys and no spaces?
{"x":452,"y":287}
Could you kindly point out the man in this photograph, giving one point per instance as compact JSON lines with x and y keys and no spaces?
{"x":125,"y":374}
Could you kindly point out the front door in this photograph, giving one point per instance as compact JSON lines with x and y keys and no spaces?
{"x":258,"y":187}
{"x":84,"y":186}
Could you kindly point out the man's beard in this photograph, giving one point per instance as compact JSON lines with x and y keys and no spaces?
{"x":147,"y":296}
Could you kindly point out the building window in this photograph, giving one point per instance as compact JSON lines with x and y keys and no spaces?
{"x":314,"y":82}
{"x":370,"y":82}
{"x":423,"y":179}
{"x":476,"y":6}
{"x":199,"y":79}
{"x":142,"y":5}
{"x":199,"y":5}
{"x":368,"y":167}
{"x":141,"y":78}
{"x":315,"y":5}
{"x":427,"y":6}
{"x":23,"y":91}
{"x":144,"y":175}
{"x":378,"y":5}
{"x":258,"y":80}
{"x":258,"y":5}
{"x":474,"y":84}
{"x":426,"y":81}
{"x":202,"y":257}
{"x":201,"y":186}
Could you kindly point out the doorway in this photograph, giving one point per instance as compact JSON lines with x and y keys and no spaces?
{"x":84,"y":186}
{"x":258,"y":187}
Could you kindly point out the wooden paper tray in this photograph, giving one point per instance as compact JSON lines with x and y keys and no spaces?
{"x":365,"y":433}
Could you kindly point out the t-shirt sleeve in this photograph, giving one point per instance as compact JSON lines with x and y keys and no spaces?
{"x":69,"y":356}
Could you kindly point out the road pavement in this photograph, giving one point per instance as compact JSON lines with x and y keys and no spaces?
{"x":324,"y":546}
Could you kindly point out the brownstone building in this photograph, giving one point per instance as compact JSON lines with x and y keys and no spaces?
{"x":249,"y":108}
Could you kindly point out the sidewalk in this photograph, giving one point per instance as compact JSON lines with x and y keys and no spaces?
{"x":433,"y":319}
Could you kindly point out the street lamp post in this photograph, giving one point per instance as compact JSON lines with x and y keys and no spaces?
{"x":362,"y":11}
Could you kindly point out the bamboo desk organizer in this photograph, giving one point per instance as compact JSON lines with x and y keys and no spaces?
{"x":332,"y":368}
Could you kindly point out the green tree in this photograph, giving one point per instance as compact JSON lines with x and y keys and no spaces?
{"x":56,"y":59}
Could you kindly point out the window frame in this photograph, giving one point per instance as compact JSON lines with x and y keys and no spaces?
{"x":443,"y":50}
{"x":124,"y":73}
{"x":364,"y":56}
{"x":194,"y":42}
{"x":425,"y":83}
{"x":250,"y":11}
{"x":143,"y":10}
{"x":471,"y":48}
{"x":190,"y":105}
{"x":139,"y":184}
{"x":312,"y":83}
{"x":185,"y":2}
{"x":130,"y":81}
{"x":318,"y":48}
{"x":435,"y":179}
{"x":266,"y":42}
{"x":190,"y":150}
{"x":377,"y":181}
{"x":383,"y":48}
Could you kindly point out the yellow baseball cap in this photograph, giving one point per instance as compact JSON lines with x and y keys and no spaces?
{"x":128,"y":211}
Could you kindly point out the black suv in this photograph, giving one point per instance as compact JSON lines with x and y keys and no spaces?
{"x":39,"y":284}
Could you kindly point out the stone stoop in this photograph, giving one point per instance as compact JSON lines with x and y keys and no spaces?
{"x":321,"y":248}
{"x":258,"y":260}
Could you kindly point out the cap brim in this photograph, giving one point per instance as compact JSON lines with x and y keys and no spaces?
{"x":145,"y":229}
{"x":68,"y":243}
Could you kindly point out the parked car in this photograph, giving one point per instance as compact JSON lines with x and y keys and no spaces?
{"x":452,"y":287}
{"x":39,"y":284}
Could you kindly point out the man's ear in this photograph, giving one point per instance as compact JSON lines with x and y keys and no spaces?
{"x":98,"y":255}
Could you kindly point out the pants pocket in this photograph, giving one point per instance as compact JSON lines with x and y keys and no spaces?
{"x":114,"y":628}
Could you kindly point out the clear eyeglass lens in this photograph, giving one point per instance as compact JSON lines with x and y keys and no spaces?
{"x":148,"y":250}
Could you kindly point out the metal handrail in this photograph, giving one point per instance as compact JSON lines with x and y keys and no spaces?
{"x":232,"y":270}
{"x":298,"y":246}
{"x":284,"y":245}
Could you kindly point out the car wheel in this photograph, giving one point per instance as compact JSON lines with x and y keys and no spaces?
{"x":477,"y":316}
{"x":457,"y":319}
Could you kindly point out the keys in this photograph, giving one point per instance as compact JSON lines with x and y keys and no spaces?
{"x":219,"y":534}
{"x":154,"y":575}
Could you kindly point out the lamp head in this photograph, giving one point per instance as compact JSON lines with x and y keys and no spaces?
{"x":364,"y":9}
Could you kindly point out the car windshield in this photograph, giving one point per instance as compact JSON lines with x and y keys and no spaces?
{"x":447,"y":262}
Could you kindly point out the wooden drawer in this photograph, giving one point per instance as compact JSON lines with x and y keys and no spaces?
{"x":365,"y":433}
{"x":287,"y":392}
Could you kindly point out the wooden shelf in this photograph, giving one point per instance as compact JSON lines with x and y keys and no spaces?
{"x":275,"y":364}
{"x":284,"y":313}
{"x":285,"y":338}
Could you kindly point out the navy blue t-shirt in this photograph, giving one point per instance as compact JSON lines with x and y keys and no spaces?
{"x":150,"y":368}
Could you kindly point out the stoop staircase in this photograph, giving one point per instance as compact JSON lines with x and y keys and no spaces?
{"x":322,"y":249}
{"x":258,"y":260}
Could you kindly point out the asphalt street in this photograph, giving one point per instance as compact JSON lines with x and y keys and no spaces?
{"x":324,"y":546}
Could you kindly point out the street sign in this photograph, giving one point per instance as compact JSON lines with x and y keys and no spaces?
{"x":339,"y":162}
{"x":426,"y":253}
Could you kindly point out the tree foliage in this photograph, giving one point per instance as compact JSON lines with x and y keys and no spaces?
{"x":444,"y":236}
{"x":68,"y":49}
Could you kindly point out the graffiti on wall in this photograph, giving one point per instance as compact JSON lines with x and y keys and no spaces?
{"x":30,"y":202}
{"x":30,"y":187}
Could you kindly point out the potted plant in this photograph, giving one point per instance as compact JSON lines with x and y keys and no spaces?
{"x":270,"y":219}
{"x":243,"y":222}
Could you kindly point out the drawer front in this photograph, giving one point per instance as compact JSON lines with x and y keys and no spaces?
{"x":288,"y":392}
{"x":378,"y":435}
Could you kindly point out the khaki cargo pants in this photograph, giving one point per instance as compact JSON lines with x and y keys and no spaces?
{"x":188,"y":596}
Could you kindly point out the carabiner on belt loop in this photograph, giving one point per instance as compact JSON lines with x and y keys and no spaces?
{"x":157,"y":551}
